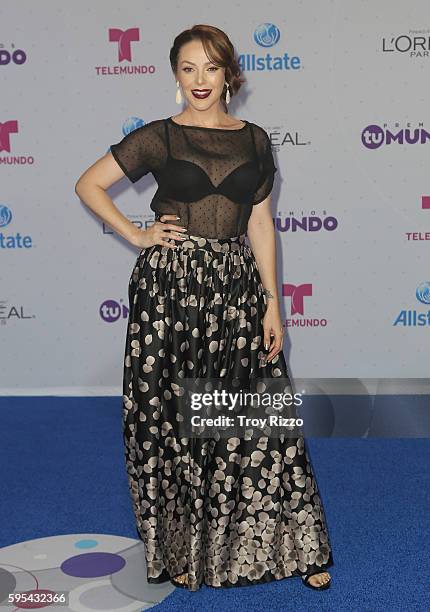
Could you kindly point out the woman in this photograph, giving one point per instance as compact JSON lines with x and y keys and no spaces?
{"x":217,"y":511}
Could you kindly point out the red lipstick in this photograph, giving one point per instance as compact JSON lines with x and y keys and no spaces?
{"x":201,"y":93}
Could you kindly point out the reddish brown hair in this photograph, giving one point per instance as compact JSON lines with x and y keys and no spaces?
{"x":219,"y":50}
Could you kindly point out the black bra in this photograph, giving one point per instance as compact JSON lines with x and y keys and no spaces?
{"x":186,"y":181}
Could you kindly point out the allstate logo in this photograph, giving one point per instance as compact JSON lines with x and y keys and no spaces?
{"x":5,"y":215}
{"x":131,"y":124}
{"x":423,"y":293}
{"x":271,"y":59}
{"x":267,"y":35}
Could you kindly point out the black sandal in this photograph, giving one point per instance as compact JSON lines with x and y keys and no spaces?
{"x":322,"y":587}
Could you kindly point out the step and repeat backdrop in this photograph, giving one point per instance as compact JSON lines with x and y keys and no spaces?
{"x":342,"y":87}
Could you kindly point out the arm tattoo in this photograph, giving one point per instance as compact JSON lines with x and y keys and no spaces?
{"x":267,"y":293}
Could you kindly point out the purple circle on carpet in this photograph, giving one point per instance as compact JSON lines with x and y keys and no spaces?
{"x":92,"y":565}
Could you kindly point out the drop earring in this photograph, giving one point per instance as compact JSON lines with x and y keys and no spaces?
{"x":227,"y":95}
{"x":178,"y":94}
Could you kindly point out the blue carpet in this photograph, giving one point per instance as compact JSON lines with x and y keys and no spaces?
{"x":63,"y":472}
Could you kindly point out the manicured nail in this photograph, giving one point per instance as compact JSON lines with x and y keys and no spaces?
{"x":266,"y":346}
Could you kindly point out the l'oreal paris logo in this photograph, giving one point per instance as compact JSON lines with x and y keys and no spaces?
{"x":415,"y":44}
{"x":12,"y":312}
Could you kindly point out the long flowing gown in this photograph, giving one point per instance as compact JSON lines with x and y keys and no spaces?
{"x":227,"y":511}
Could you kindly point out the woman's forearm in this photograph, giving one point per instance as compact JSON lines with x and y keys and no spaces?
{"x":261,"y":236}
{"x":101,"y":204}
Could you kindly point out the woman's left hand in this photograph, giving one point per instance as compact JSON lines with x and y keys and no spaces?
{"x":273,"y":332}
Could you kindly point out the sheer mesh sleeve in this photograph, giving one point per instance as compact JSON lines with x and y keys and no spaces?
{"x":265,"y":184}
{"x":141,"y":151}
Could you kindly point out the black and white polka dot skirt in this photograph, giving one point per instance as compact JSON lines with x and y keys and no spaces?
{"x":226,"y":511}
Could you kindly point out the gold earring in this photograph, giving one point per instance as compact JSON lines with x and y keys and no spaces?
{"x":227,"y":95}
{"x":178,"y":94}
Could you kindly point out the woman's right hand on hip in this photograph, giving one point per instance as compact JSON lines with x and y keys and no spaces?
{"x":159,"y":233}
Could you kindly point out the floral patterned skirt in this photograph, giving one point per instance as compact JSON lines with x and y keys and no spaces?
{"x":227,"y":511}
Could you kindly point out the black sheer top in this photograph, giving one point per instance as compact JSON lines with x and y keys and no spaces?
{"x":210,"y":177}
